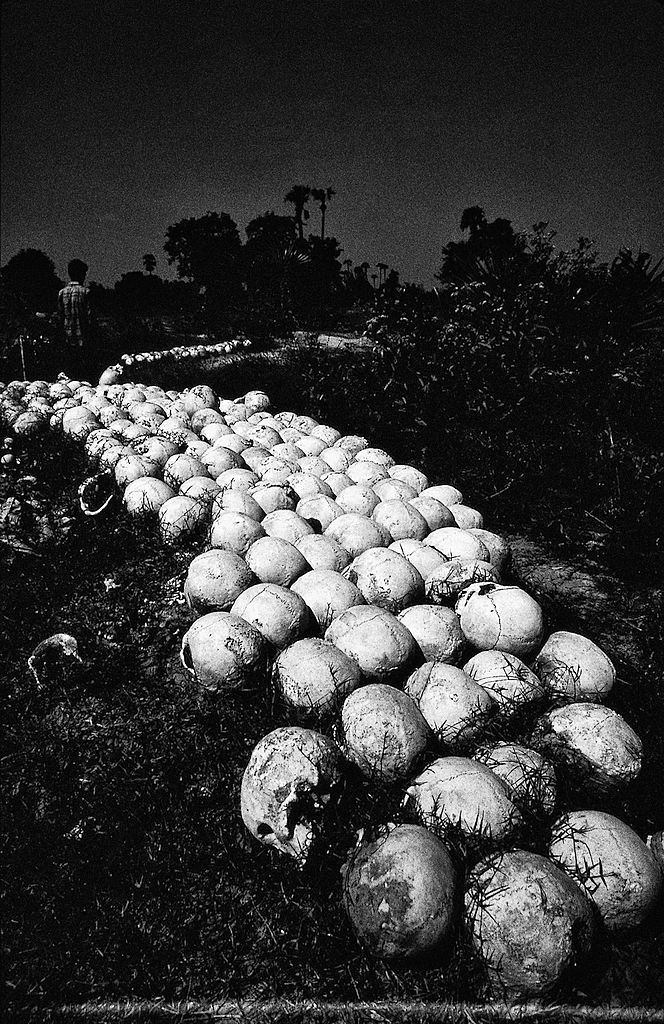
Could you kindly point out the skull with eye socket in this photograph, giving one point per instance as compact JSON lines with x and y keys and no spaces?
{"x":292,"y":775}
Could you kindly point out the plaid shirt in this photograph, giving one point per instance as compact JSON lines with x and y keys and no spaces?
{"x":74,"y":307}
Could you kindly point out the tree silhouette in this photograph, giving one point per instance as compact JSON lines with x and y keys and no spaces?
{"x":322,"y":196}
{"x":149,"y":262}
{"x":299,"y":196}
{"x":635,"y":286}
{"x":137,"y":292}
{"x":473,"y":219}
{"x":489,"y":246}
{"x":267,"y":256}
{"x":294,"y":260}
{"x":30,"y":276}
{"x":361,"y":289}
{"x":207,"y":250}
{"x":323,"y":274}
{"x":391,"y":285}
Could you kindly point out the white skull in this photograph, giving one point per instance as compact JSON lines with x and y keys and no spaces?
{"x":290,"y":778}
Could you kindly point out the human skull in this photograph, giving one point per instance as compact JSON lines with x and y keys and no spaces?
{"x":290,"y":778}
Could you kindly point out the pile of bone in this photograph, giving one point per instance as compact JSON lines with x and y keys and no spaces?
{"x":178,"y":355}
{"x":375,"y":606}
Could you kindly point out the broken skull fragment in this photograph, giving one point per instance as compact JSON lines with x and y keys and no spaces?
{"x":52,"y":659}
{"x":96,"y":493}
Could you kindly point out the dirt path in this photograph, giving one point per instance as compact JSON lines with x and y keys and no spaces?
{"x":585,"y":599}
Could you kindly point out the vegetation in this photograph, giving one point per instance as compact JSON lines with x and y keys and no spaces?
{"x":539,"y":369}
{"x":127,"y":868}
{"x":277,"y":280}
{"x":533,"y":379}
{"x":30,"y":279}
{"x":539,"y":373}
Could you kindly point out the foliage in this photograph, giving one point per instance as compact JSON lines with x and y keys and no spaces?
{"x":554,"y":361}
{"x":127,"y":870}
{"x":206,"y":250}
{"x":322,"y":197}
{"x":30,"y":275}
{"x":137,"y":291}
{"x":495,"y":242}
{"x":299,"y":196}
{"x":149,"y":261}
{"x":317,"y":284}
{"x":279,"y":270}
{"x":268,"y":252}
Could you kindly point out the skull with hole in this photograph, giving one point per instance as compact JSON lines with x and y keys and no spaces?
{"x":224,"y":653}
{"x":449,"y":580}
{"x":292,"y":775}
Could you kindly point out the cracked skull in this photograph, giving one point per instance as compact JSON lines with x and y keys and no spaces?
{"x":291,"y":777}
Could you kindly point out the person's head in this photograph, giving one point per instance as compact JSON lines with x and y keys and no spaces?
{"x":77,"y":270}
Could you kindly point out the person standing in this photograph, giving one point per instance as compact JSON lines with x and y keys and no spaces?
{"x":76,"y":318}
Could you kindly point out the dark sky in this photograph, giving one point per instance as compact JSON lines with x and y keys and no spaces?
{"x":121,"y":117}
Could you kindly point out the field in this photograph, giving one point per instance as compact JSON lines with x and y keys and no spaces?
{"x":128,"y":871}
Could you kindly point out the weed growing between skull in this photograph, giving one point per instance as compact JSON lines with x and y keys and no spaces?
{"x":126,"y":836}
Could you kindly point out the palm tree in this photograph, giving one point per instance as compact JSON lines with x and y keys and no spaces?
{"x":149,"y":262}
{"x":473,"y":218}
{"x":292,"y":256}
{"x":322,"y":196}
{"x":299,"y":196}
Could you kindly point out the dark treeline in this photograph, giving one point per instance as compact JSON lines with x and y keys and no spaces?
{"x":528,"y":369}
{"x":279,"y":277}
{"x":511,"y":293}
